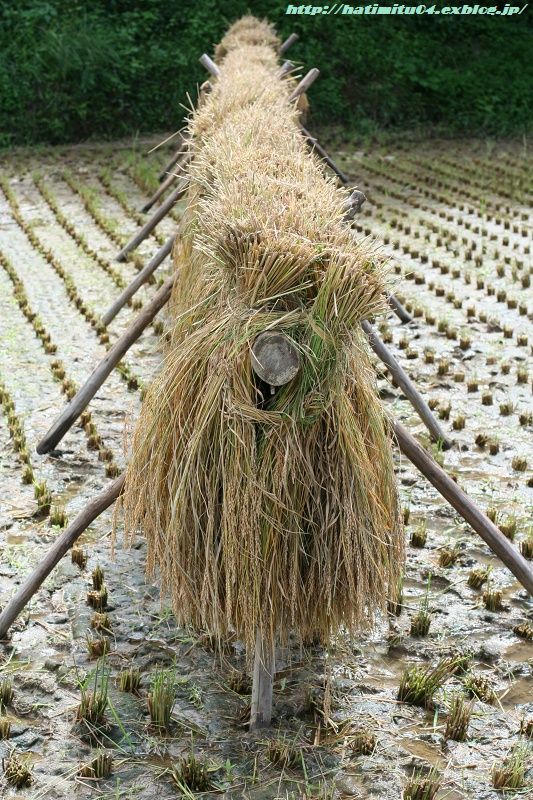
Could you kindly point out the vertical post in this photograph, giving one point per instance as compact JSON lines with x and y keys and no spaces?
{"x":263,"y":682}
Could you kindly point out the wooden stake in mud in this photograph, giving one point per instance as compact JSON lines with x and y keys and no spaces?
{"x":148,"y":227}
{"x":63,"y":543}
{"x":276,"y":361}
{"x":139,"y":279}
{"x":262,"y":683}
{"x":406,"y":385}
{"x":82,"y":398}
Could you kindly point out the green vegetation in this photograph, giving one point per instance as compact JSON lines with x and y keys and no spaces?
{"x":73,"y":69}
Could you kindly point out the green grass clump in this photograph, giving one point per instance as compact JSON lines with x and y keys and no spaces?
{"x":524,"y":630}
{"x":129,"y":680}
{"x":458,"y":719}
{"x":477,"y":577}
{"x":99,"y":767}
{"x":5,"y":727}
{"x":419,"y":534}
{"x":479,"y":686}
{"x":283,"y":753}
{"x":94,"y":701}
{"x":418,"y":683}
{"x":161,"y":697}
{"x":17,"y":772}
{"x":362,"y":742}
{"x":422,"y":785}
{"x":6,"y":693}
{"x":191,"y":775}
{"x":510,"y":773}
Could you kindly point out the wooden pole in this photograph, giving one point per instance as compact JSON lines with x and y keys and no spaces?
{"x":180,"y":164}
{"x":154,"y":220}
{"x":304,"y":84}
{"x":138,"y":281}
{"x":397,"y":307}
{"x":285,"y":69}
{"x":315,"y":145}
{"x":63,"y":543}
{"x":210,"y":65}
{"x":447,"y":487}
{"x":170,"y":165}
{"x":289,"y":41}
{"x":262,"y":682}
{"x":353,"y":205}
{"x":406,"y":385}
{"x":84,"y":395}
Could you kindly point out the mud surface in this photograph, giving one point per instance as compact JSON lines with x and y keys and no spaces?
{"x":455,"y":220}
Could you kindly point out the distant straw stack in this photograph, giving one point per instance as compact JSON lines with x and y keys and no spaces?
{"x":271,"y":511}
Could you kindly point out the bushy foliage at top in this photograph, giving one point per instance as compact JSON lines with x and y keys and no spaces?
{"x":73,"y":69}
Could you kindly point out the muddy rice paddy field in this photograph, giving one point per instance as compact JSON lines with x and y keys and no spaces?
{"x":437,"y":701}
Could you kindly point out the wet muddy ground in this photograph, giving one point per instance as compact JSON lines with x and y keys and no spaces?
{"x":455,"y":219}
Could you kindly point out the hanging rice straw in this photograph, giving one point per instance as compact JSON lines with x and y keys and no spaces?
{"x":266,"y":510}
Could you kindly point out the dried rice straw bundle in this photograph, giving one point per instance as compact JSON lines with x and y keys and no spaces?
{"x":247,"y":31}
{"x":266,"y":510}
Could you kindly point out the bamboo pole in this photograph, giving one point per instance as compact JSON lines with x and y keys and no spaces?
{"x":397,"y":307}
{"x":289,"y":41}
{"x":210,"y":65}
{"x":154,"y":220}
{"x":84,"y":395}
{"x":285,"y":69}
{"x":406,"y":385}
{"x":315,"y":145}
{"x":181,"y":162}
{"x":170,"y":165}
{"x":304,"y":84}
{"x":63,"y":543}
{"x":491,"y":535}
{"x":139,"y":279}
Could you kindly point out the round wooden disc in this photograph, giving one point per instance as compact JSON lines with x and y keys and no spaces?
{"x":274,"y":358}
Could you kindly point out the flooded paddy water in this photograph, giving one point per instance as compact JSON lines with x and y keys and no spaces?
{"x":455,"y":219}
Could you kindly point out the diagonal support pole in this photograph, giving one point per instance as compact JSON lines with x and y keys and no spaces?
{"x":180,"y":164}
{"x":154,"y":220}
{"x":317,"y":147}
{"x":397,"y":307}
{"x":406,"y":385}
{"x":289,"y":41}
{"x":170,"y":165}
{"x":304,"y":84}
{"x":491,"y":535}
{"x":62,"y":544}
{"x":210,"y":65}
{"x":84,"y":395}
{"x":139,"y":279}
